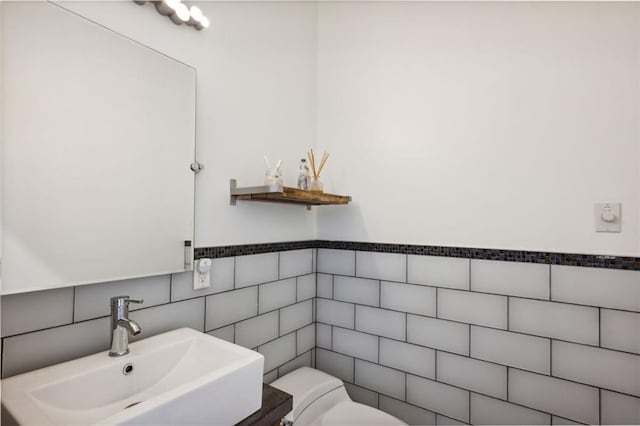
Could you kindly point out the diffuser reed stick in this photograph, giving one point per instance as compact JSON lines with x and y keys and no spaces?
{"x":325,"y":157}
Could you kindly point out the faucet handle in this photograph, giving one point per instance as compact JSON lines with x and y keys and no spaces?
{"x":121,"y":300}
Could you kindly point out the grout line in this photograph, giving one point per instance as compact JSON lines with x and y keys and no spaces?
{"x":331,"y":338}
{"x":204,"y":321}
{"x":474,"y":358}
{"x":406,"y":327}
{"x":279,"y":277}
{"x":279,"y":334}
{"x":258,"y":302}
{"x":504,"y":295}
{"x":508,"y":312}
{"x":508,"y":369}
{"x":332,"y":286}
{"x":599,"y":406}
{"x":435,"y":367}
{"x":550,"y":357}
{"x":235,"y":273}
{"x":549,"y":282}
{"x":73,"y":306}
{"x":355,"y":263}
{"x":406,"y":271}
{"x":496,"y":328}
{"x":600,"y":327}
{"x":406,"y":386}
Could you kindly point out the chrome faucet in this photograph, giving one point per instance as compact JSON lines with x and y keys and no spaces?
{"x":121,"y":325}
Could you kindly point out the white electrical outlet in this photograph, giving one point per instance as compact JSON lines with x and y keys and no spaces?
{"x":607,"y":217}
{"x":202,"y":274}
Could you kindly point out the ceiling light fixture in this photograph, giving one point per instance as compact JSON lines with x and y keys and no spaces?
{"x":179,"y":13}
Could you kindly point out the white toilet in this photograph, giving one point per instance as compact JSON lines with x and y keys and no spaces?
{"x":321,"y":399}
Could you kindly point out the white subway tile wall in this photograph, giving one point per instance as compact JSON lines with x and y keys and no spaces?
{"x":603,"y":368}
{"x":256,"y":269}
{"x":438,"y":334}
{"x":607,"y":288}
{"x":566,"y":399}
{"x":408,"y":413}
{"x":557,"y":320}
{"x":356,"y":290}
{"x":415,"y":299}
{"x":381,"y":322}
{"x":381,"y":379}
{"x":483,"y":341}
{"x":431,"y":340}
{"x":341,"y":262}
{"x":295,"y":263}
{"x":438,"y":397}
{"x":355,"y":344}
{"x":438,"y":271}
{"x":620,"y":330}
{"x":492,"y":411}
{"x":619,"y":409}
{"x":54,"y":307}
{"x":276,"y":295}
{"x":473,"y":308}
{"x":75,"y":320}
{"x":306,"y":287}
{"x":480,"y":376}
{"x":257,"y":330}
{"x":381,"y":266}
{"x":512,"y":349}
{"x":510,"y":278}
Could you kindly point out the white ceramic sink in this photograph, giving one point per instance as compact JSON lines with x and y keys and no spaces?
{"x":179,"y":377}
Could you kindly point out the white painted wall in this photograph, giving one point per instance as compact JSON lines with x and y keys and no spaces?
{"x":481,"y":124}
{"x":256,"y":95}
{"x":470,"y":124}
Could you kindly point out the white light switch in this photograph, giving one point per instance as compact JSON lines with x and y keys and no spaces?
{"x":607,"y":216}
{"x":202,"y":274}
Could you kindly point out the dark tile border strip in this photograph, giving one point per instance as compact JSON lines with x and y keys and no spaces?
{"x":584,"y":260}
{"x":245,"y":249}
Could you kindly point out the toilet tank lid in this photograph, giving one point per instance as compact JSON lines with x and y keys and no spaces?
{"x":306,"y":385}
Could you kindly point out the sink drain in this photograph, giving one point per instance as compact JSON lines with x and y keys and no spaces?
{"x":128,"y":369}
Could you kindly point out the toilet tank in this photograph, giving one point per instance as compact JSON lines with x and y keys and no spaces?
{"x":314,"y":393}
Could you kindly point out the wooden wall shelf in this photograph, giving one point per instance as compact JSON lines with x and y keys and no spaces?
{"x":284,"y":194}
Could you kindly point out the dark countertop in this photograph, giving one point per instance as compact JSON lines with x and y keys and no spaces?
{"x":275,"y":405}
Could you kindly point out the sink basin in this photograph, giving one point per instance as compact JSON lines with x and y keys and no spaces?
{"x":182,"y":376}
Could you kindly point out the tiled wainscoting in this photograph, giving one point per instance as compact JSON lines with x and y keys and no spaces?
{"x":431,"y":339}
{"x":263,"y":302}
{"x":442,"y":340}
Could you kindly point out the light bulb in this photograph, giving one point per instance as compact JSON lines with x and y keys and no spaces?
{"x":204,"y":23}
{"x":181,"y":14}
{"x":167,"y":7}
{"x":196,"y":13}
